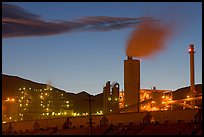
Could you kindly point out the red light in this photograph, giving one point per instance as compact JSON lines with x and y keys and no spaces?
{"x":190,"y":49}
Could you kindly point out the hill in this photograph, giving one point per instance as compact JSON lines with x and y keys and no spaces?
{"x":11,"y":84}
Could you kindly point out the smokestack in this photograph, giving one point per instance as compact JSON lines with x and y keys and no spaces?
{"x":192,"y":79}
{"x":132,"y":83}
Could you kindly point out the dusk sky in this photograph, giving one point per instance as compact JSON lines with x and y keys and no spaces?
{"x":86,"y":57}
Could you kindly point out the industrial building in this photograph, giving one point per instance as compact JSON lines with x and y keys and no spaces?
{"x":111,"y":98}
{"x":31,"y":104}
{"x":132,"y":83}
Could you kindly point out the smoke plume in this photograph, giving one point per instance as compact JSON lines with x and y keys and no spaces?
{"x":148,"y":38}
{"x":17,"y":22}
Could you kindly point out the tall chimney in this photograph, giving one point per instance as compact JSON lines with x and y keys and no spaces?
{"x":192,"y":77}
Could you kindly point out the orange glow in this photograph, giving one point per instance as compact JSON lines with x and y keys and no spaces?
{"x":8,"y":99}
{"x":188,"y":96}
{"x":12,"y":99}
{"x":190,"y":49}
{"x":153,"y":101}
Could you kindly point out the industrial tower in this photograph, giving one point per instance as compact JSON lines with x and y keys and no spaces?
{"x":132,"y":83}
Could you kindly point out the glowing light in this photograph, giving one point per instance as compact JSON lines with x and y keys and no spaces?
{"x":4,"y":122}
{"x":188,"y":96}
{"x":153,"y":101}
{"x":29,"y":88}
{"x":67,"y":101}
{"x":41,"y":96}
{"x":61,"y":94}
{"x":8,"y":99}
{"x":45,"y":94}
{"x":47,"y":109}
{"x":116,"y":99}
{"x":189,"y":49}
{"x":144,"y":106}
{"x":109,"y":98}
{"x":53,"y":113}
{"x":10,"y":117}
{"x":41,"y":104}
{"x":65,"y":113}
{"x":19,"y":88}
{"x":163,"y":96}
{"x":67,"y":105}
{"x":51,"y":89}
{"x":26,"y":104}
{"x":126,"y":105}
{"x":20,"y":105}
{"x":111,"y":110}
{"x":21,"y":97}
{"x":24,"y":88}
{"x":163,"y":102}
{"x":170,"y":99}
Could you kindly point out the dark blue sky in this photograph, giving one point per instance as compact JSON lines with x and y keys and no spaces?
{"x":87,"y":60}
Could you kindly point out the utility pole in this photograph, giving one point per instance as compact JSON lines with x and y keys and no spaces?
{"x":90,"y":116}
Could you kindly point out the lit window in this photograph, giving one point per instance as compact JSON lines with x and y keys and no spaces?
{"x":67,"y":101}
{"x":51,"y":89}
{"x":24,"y":88}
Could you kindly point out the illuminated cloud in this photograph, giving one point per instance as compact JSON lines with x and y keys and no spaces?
{"x":17,"y":22}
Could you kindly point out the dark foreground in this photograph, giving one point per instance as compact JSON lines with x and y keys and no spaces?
{"x":131,"y":129}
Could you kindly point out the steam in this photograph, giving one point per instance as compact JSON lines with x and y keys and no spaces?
{"x":148,"y":38}
{"x":17,"y":22}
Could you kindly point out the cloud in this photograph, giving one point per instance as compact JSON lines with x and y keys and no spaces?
{"x":17,"y":22}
